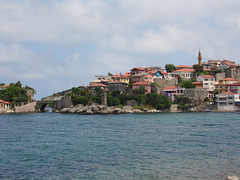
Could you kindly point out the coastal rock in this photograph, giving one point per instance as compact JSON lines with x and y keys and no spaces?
{"x":231,"y":178}
{"x":65,"y":110}
{"x":89,"y":112}
{"x":132,"y":103}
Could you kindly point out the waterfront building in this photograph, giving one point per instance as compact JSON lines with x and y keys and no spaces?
{"x":93,"y":86}
{"x":226,"y":101}
{"x":171,"y":91}
{"x":4,"y":104}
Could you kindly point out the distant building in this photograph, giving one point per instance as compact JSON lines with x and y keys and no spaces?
{"x":118,"y":85}
{"x":184,"y":67}
{"x":225,"y":101}
{"x":147,"y":86}
{"x":208,"y":82}
{"x":226,"y":64}
{"x":4,"y":87}
{"x":184,"y":73}
{"x":92,"y":87}
{"x":171,"y":91}
{"x":4,"y":105}
{"x":146,"y":77}
{"x":221,"y":85}
{"x":234,"y":88}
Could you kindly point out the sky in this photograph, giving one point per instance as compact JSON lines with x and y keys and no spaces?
{"x":55,"y":45}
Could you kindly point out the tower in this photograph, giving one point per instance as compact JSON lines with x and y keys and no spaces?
{"x":199,"y":58}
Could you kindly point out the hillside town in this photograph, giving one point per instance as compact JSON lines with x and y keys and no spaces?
{"x":215,"y":81}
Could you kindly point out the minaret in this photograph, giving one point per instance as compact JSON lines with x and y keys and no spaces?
{"x":199,"y":58}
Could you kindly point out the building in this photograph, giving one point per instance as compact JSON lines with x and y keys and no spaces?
{"x":214,"y":63}
{"x":221,"y":85}
{"x":184,"y":73}
{"x":93,"y":86}
{"x":208,"y":82}
{"x":171,"y":91}
{"x":226,"y":64}
{"x":139,"y":84}
{"x":234,"y":88}
{"x":4,"y":87}
{"x":225,"y":101}
{"x":118,"y":85}
{"x":146,"y":77}
{"x":138,"y":70}
{"x":122,"y":78}
{"x":199,"y":58}
{"x":198,"y":84}
{"x":4,"y":105}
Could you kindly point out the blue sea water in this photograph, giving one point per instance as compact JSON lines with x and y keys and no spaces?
{"x":182,"y":146}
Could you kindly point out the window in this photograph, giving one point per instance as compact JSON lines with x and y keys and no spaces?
{"x":230,"y":103}
{"x":205,"y":79}
{"x":222,"y":99}
{"x":212,"y":84}
{"x":205,"y":83}
{"x":222,"y":103}
{"x":230,"y":97}
{"x":212,"y":79}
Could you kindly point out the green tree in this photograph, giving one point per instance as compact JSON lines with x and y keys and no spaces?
{"x":198,"y":68}
{"x":170,"y":67}
{"x":187,"y":84}
{"x":79,"y":100}
{"x":2,"y":84}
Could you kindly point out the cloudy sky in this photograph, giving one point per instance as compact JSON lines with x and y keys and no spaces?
{"x":55,"y":45}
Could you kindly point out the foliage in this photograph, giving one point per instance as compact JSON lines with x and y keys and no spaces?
{"x":170,"y":67}
{"x":76,"y":91}
{"x":98,"y":91}
{"x":183,"y":102}
{"x":157,"y":101}
{"x":79,"y":100}
{"x":97,"y":99}
{"x":14,"y":93}
{"x":206,"y":99}
{"x":141,"y":90}
{"x":181,"y":99}
{"x":187,"y":84}
{"x":2,"y":84}
{"x":198,"y":68}
{"x":215,"y":71}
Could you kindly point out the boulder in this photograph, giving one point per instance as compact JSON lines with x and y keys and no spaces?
{"x":89,"y":112}
{"x":231,"y":178}
{"x":65,"y":110}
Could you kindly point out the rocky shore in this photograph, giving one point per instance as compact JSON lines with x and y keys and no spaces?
{"x":101,"y":109}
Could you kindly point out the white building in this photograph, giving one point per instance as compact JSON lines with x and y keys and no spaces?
{"x":208,"y":82}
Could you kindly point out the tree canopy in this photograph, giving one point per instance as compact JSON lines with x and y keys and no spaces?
{"x":170,"y":67}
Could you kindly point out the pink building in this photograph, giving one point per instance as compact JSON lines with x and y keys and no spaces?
{"x":137,"y":85}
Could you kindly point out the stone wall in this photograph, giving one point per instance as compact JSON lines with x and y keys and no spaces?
{"x":233,"y":73}
{"x":162,"y":83}
{"x":220,"y":76}
{"x":197,"y":95}
{"x":64,"y":102}
{"x":28,"y":108}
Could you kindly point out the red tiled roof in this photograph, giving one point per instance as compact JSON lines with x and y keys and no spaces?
{"x":1,"y":101}
{"x":197,"y":83}
{"x":6,"y":102}
{"x":4,"y":86}
{"x":207,"y":69}
{"x":185,"y":70}
{"x":229,"y":79}
{"x":234,"y":84}
{"x":164,"y":72}
{"x":207,"y":76}
{"x":138,"y":68}
{"x":141,"y":83}
{"x":116,"y":82}
{"x":183,"y":66}
{"x":170,"y":87}
{"x":226,"y":93}
{"x":98,"y":85}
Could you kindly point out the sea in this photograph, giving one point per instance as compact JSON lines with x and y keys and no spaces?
{"x":165,"y":146}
